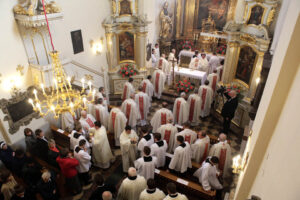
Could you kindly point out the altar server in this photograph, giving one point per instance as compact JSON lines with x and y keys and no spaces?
{"x":158,"y":149}
{"x":173,"y":194}
{"x":86,"y":121}
{"x":132,"y":186}
{"x":128,"y":141}
{"x":203,"y":63}
{"x":102,"y":155}
{"x":147,"y":139}
{"x":142,"y":101}
{"x":220,"y":70}
{"x":222,"y":150}
{"x":152,"y":193}
{"x":206,"y":94}
{"x":159,"y":79}
{"x":116,"y":123}
{"x":189,"y":135}
{"x":67,"y":121}
{"x":168,"y":133}
{"x":213,"y":80}
{"x":195,"y":63}
{"x":130,"y":109}
{"x":181,"y":159}
{"x":163,"y":64}
{"x":157,"y":52}
{"x":100,"y":112}
{"x":146,"y":165}
{"x":148,"y":87}
{"x":194,"y":107}
{"x":84,"y":158}
{"x":128,"y":89}
{"x":214,"y":62}
{"x":75,"y":137}
{"x":200,"y":148}
{"x":161,"y":116}
{"x":208,"y":174}
{"x":180,"y":110}
{"x":101,"y":94}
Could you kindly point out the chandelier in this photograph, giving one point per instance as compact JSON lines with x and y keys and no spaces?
{"x":61,"y":97}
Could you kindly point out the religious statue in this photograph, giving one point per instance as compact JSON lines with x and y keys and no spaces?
{"x":166,"y":22}
{"x":35,"y":7}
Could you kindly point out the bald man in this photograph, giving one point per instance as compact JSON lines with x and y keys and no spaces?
{"x":86,"y":121}
{"x":228,"y":109}
{"x":222,"y":150}
{"x":107,"y":195}
{"x":132,"y":186}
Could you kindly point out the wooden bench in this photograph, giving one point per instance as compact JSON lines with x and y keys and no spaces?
{"x":188,"y":187}
{"x":61,"y":137}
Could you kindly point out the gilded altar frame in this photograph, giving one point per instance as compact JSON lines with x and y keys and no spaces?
{"x":116,"y":8}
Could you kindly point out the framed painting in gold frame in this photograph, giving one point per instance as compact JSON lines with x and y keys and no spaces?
{"x":125,"y":8}
{"x":256,"y":15}
{"x":126,"y":47}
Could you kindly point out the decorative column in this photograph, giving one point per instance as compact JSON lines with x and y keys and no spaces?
{"x":141,"y":54}
{"x":232,"y":56}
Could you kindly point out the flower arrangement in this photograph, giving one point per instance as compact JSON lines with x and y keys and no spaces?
{"x":127,"y":70}
{"x":221,"y":49}
{"x":238,"y":89}
{"x":185,"y":86}
{"x":185,"y":44}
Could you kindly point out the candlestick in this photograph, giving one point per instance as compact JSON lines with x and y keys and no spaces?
{"x":84,"y":102}
{"x":43,"y":89}
{"x":69,"y":81}
{"x":82,"y":81}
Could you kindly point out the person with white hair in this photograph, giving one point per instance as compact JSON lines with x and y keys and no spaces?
{"x":168,"y":132}
{"x":47,"y":186}
{"x":107,"y":195}
{"x":143,"y":103}
{"x":132,"y":186}
{"x":180,"y":109}
{"x":116,"y":123}
{"x":152,"y":193}
{"x":146,"y":165}
{"x":194,"y":107}
{"x":86,"y":121}
{"x":222,"y":151}
{"x":207,"y":96}
{"x":148,"y":87}
{"x":200,"y":148}
{"x":161,"y":116}
{"x":159,"y":79}
{"x":128,"y":89}
{"x":100,"y":112}
{"x":131,"y":111}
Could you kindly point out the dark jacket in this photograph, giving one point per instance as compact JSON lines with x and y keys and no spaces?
{"x":6,"y":156}
{"x":30,"y":143}
{"x":41,"y":149}
{"x":46,"y":189}
{"x":97,"y":194}
{"x":229,"y":107}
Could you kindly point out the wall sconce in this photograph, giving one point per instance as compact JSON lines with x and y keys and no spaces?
{"x":236,"y":165}
{"x":97,"y":46}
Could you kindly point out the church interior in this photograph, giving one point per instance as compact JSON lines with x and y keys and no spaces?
{"x":149,"y":99}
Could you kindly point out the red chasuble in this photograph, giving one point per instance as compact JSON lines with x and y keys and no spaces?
{"x":90,"y":123}
{"x":98,"y":115}
{"x":167,"y":136}
{"x":124,"y":92}
{"x":141,"y":105}
{"x":177,"y":110}
{"x":163,"y":118}
{"x":144,"y":87}
{"x":203,"y":98}
{"x":191,"y":115}
{"x":204,"y":154}
{"x":214,"y":83}
{"x":157,"y":82}
{"x":187,"y":138}
{"x":222,"y":159}
{"x":128,"y":110}
{"x":113,"y":117}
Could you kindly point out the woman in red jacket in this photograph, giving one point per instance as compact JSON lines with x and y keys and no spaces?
{"x":68,"y":166}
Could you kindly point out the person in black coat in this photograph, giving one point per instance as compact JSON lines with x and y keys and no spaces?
{"x":30,"y":140}
{"x":47,"y":186}
{"x":19,"y":161}
{"x":99,"y":187}
{"x":6,"y":155}
{"x":41,"y":147}
{"x":228,"y":109}
{"x":21,"y":194}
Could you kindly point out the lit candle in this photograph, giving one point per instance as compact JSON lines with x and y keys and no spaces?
{"x":42,"y":86}
{"x":53,"y":109}
{"x":94,"y":92}
{"x":90,"y":85}
{"x":35,"y":94}
{"x":55,"y":82}
{"x":72,"y":106}
{"x":82,"y":81}
{"x":84,"y":101}
{"x":39,"y":107}
{"x":31,"y":102}
{"x":69,"y":81}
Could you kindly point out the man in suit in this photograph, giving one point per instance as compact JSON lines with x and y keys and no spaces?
{"x":41,"y":147}
{"x":228,"y":109}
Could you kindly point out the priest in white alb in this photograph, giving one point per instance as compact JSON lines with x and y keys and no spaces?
{"x":203,"y":63}
{"x":161,"y":116}
{"x":148,"y":87}
{"x":130,"y":109}
{"x":100,"y":112}
{"x":194,"y":107}
{"x":159,"y":79}
{"x":151,"y":192}
{"x":181,"y":159}
{"x":168,"y":133}
{"x":146,"y":140}
{"x":67,"y":121}
{"x":86,"y":121}
{"x":116,"y":124}
{"x":146,"y":165}
{"x":206,"y":94}
{"x":128,"y":89}
{"x":102,"y":155}
{"x":213,"y":63}
{"x":200,"y":148}
{"x":132,"y":186}
{"x":220,"y":70}
{"x":128,"y":144}
{"x":213,"y":80}
{"x":180,"y":109}
{"x":101,"y":94}
{"x":142,"y":101}
{"x":195,"y":63}
{"x":222,"y":150}
{"x":158,"y":149}
{"x":163,"y":64}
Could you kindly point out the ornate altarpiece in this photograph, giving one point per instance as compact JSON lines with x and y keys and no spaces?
{"x":126,"y":33}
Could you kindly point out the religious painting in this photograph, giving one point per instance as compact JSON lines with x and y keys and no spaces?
{"x":125,"y":8}
{"x":217,"y":9}
{"x":77,"y":41}
{"x":245,"y":64}
{"x":256,"y":15}
{"x":126,"y":46}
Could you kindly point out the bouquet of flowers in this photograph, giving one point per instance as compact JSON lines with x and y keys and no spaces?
{"x":238,"y":89}
{"x":221,"y":49}
{"x":185,"y":44}
{"x":127,"y":70}
{"x":185,"y":86}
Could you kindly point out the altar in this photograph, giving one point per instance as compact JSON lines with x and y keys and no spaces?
{"x":190,"y":73}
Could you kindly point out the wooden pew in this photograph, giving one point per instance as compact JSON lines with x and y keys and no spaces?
{"x":61,"y":137}
{"x":188,"y":187}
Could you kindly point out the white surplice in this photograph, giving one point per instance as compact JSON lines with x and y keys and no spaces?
{"x":203,"y":64}
{"x":130,"y":109}
{"x":145,"y":166}
{"x":222,"y":150}
{"x":159,"y":79}
{"x":67,"y":121}
{"x":75,"y":141}
{"x":100,"y":95}
{"x":213,"y":62}
{"x":194,"y":108}
{"x":101,"y":114}
{"x":84,"y":159}
{"x":142,"y":101}
{"x":181,"y":159}
{"x":128,"y":149}
{"x":158,"y":149}
{"x":200,"y":149}
{"x":87,"y":122}
{"x":178,"y":196}
{"x":206,"y":94}
{"x":160,"y":118}
{"x":213,"y":81}
{"x":195,"y":63}
{"x":168,"y":133}
{"x":116,"y":124}
{"x":128,"y":90}
{"x":156,"y":194}
{"x":153,"y":60}
{"x":131,"y":188}
{"x":180,"y":111}
{"x":148,"y":88}
{"x":207,"y":176}
{"x":157,"y":53}
{"x":147,"y":140}
{"x":102,"y":155}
